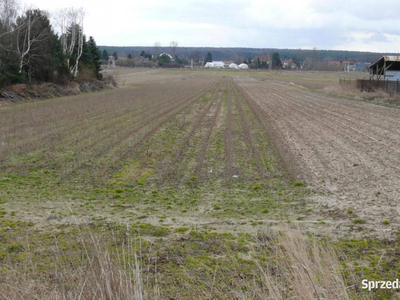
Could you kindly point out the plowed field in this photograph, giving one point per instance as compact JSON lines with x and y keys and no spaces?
{"x":199,"y":178}
{"x":349,"y":150}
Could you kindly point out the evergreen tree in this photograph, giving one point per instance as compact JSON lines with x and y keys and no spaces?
{"x":105,"y":55}
{"x":115,"y":55}
{"x":86,"y":58}
{"x":209,"y":57}
{"x":129,"y":56}
{"x":96,"y":57}
{"x":276,"y":61}
{"x":164,"y":59}
{"x":38,"y":63}
{"x":58,"y":57}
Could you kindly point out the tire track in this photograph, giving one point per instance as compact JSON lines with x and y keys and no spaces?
{"x":172,"y":168}
{"x":228,"y":141}
{"x":206,"y":142}
{"x":352,"y":150}
{"x":248,"y":133}
{"x":161,"y":118}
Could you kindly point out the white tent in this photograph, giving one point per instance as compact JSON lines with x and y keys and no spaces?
{"x":243,"y":66}
{"x":233,"y":66}
{"x":218,"y":64}
{"x":209,"y":65}
{"x":169,"y":55}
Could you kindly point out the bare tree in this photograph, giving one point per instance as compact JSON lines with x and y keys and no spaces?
{"x":174,"y":47}
{"x":8,"y":13}
{"x":8,"y":16}
{"x":70,"y":22}
{"x":27,"y":37}
{"x":157,"y":46}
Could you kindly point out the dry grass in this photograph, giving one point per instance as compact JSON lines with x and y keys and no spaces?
{"x":97,"y":274}
{"x":307,"y":270}
{"x":351,"y":91}
{"x":298,"y":267}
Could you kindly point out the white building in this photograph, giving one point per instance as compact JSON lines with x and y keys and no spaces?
{"x":233,"y":66}
{"x":218,"y":64}
{"x":215,"y":64}
{"x":243,"y":66}
{"x":169,"y":55}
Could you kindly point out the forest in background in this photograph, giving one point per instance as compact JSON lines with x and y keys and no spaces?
{"x":199,"y":53}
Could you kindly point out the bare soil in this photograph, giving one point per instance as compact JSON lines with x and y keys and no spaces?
{"x":349,"y":150}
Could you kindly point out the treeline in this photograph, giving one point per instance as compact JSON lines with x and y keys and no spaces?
{"x":147,"y":59}
{"x":31,"y":51}
{"x":198,"y":53}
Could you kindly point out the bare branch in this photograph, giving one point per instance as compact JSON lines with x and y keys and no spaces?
{"x":157,"y":45}
{"x":26,"y":39}
{"x":70,"y":23}
{"x":174,"y":46}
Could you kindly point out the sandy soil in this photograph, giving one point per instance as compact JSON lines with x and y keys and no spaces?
{"x":347,"y":149}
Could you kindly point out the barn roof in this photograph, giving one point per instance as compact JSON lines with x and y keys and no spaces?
{"x":390,"y":58}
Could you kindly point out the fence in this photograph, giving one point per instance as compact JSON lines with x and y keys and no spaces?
{"x":347,"y":81}
{"x":368,"y":85}
{"x":389,"y":86}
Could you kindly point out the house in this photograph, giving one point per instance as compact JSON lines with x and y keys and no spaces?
{"x":348,"y":65}
{"x":363,"y":66}
{"x":141,"y":59}
{"x":287,"y":63}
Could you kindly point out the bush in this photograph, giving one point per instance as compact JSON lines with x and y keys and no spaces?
{"x":172,"y":65}
{"x":125,"y":63}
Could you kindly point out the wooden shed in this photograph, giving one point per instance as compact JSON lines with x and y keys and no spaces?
{"x":386,"y":68}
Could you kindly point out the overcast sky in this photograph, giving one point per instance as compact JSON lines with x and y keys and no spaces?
{"x":326,"y":24}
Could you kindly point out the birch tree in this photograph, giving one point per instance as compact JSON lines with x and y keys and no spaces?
{"x":30,"y":34}
{"x":70,"y":21}
{"x":8,"y":15}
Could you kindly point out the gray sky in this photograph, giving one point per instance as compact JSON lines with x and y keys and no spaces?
{"x":326,"y":24}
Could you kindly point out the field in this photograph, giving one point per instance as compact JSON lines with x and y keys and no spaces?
{"x":208,"y":181}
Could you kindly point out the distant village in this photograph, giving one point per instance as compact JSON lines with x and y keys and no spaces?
{"x":274,"y":61}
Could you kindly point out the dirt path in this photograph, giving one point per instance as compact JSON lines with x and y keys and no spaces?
{"x":348,"y":149}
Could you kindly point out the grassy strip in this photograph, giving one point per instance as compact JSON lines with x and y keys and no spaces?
{"x":104,"y":260}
